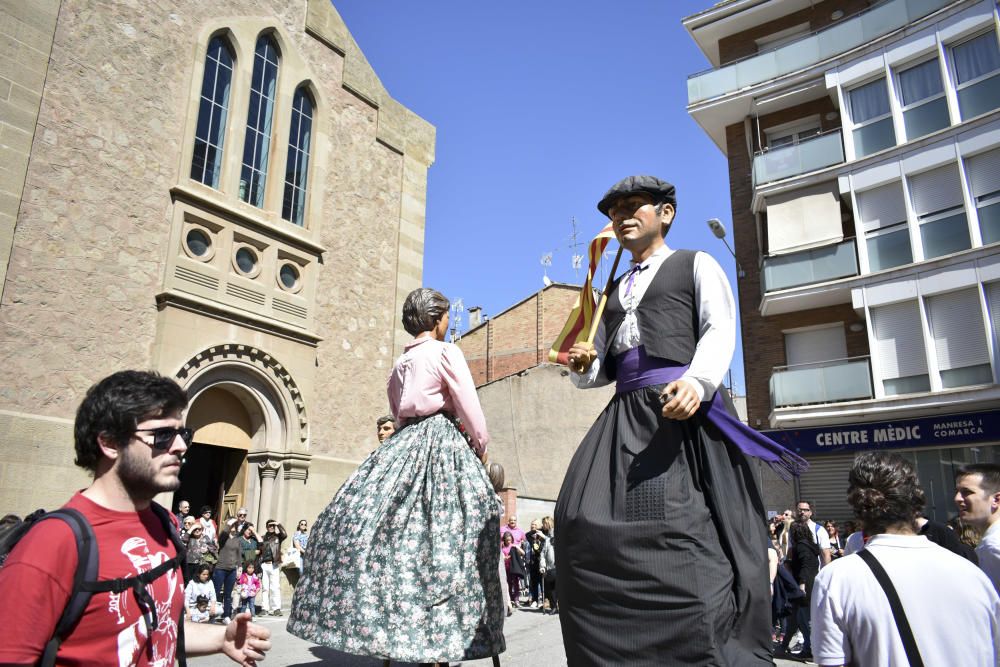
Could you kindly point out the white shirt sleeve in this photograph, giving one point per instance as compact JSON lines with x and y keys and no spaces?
{"x":988,"y":552}
{"x":717,"y":327}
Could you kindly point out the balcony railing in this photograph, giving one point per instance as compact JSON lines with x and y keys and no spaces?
{"x":810,"y":49}
{"x":822,"y":382}
{"x":815,"y":265}
{"x":810,"y":154}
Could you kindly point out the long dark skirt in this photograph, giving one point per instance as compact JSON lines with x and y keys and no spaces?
{"x":661,"y":557}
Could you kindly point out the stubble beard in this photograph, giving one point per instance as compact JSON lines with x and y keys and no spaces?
{"x":138,"y":476}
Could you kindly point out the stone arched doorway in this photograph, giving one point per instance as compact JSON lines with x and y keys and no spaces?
{"x":250,"y":437}
{"x":215,"y":466}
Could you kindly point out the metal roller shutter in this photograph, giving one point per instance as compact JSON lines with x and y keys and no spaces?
{"x":983,"y":171}
{"x":899,"y":340}
{"x":936,"y":190}
{"x":882,"y":206}
{"x":956,"y":326}
{"x":825,"y":486}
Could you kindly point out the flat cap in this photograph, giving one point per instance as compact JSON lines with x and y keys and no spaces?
{"x":661,"y":191}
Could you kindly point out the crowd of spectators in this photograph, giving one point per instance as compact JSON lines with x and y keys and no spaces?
{"x":529,"y":565}
{"x":216,"y":577}
{"x":830,"y":604}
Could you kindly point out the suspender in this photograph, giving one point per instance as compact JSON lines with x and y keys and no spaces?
{"x":902,"y":625}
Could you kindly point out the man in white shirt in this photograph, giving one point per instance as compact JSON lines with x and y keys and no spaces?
{"x":949,"y":604}
{"x":977,"y":495}
{"x":820,"y":536}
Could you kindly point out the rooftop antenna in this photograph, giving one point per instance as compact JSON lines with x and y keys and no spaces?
{"x":546,"y":263}
{"x":575,"y":245}
{"x":457,"y":308}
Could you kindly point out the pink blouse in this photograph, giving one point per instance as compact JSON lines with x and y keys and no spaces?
{"x":431,"y":376}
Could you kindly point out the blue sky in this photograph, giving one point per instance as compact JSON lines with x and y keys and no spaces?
{"x":539,"y":108}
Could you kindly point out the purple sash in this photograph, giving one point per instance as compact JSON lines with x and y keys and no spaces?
{"x":635,"y":370}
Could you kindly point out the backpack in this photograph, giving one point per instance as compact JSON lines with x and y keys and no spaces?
{"x":85,"y":581}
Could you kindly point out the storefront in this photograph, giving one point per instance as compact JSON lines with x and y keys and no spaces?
{"x":937,"y":445}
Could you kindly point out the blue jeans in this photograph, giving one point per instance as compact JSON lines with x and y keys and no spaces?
{"x":247,"y":604}
{"x":224,"y":581}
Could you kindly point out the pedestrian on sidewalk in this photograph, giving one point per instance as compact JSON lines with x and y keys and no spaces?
{"x":403,"y":562}
{"x":130,"y":435}
{"x":270,"y":567}
{"x":951,"y":612}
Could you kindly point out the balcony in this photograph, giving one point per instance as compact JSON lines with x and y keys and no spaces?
{"x":823,"y":150}
{"x":815,"y":265}
{"x":822,"y":382}
{"x":811,"y":49}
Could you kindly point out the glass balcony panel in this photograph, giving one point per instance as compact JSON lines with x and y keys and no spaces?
{"x":839,"y":38}
{"x":926,"y":118}
{"x":810,"y":266}
{"x":989,"y":223}
{"x":821,"y":382}
{"x":888,"y":250}
{"x":882,"y":19}
{"x":827,"y":43}
{"x":979,"y":98}
{"x":909,"y":385}
{"x":760,"y":68}
{"x":968,"y":376}
{"x":791,"y":160}
{"x":875,"y":137}
{"x":945,"y":236}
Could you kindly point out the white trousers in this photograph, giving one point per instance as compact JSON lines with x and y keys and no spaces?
{"x":271,"y":585}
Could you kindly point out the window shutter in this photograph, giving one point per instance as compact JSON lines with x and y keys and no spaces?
{"x":806,"y":218}
{"x":804,"y":347}
{"x":882,"y":206}
{"x":957,"y":329}
{"x":984,"y":173}
{"x":936,"y":190}
{"x":899,"y":340}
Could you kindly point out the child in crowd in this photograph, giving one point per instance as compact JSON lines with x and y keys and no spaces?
{"x":200,"y":613}
{"x":249,"y":587}
{"x":200,"y":586}
{"x":403,"y":562}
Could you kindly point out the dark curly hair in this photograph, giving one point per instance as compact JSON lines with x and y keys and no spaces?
{"x":422,"y":310}
{"x":883,"y":490}
{"x":114,"y":407}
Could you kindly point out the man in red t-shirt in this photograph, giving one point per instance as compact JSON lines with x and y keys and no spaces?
{"x":130,"y":434}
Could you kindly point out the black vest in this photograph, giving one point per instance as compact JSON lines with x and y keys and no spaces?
{"x":667,"y":313}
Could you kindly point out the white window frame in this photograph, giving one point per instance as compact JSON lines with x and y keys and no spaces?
{"x":869,"y":121}
{"x":903,"y":107}
{"x":793,"y":130}
{"x":951,"y":63}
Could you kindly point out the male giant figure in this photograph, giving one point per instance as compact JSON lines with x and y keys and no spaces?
{"x":661,"y":552}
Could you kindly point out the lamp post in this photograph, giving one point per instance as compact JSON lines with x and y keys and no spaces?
{"x":719,"y":230}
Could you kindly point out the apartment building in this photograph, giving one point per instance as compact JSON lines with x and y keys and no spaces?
{"x":863,"y":142}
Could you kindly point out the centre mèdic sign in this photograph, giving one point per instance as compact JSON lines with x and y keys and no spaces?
{"x":937,"y":431}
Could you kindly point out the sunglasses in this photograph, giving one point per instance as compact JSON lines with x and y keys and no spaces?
{"x":163,"y":437}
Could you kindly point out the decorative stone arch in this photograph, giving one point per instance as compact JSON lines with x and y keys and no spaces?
{"x":278,"y":422}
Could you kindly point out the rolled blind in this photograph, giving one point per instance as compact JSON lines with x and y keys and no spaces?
{"x":957,"y":329}
{"x":882,"y":206}
{"x":803,"y":219}
{"x":899,"y":340}
{"x":984,"y":173}
{"x":936,"y":190}
{"x":803,"y":347}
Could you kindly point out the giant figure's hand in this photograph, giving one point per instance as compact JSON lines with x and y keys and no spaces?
{"x":581,"y":356}
{"x":680,"y":400}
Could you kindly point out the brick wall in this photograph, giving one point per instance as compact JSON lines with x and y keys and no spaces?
{"x":818,"y":16}
{"x":519,"y":337}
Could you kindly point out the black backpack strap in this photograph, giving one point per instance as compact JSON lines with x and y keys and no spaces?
{"x":86,"y":570}
{"x":903,"y":625}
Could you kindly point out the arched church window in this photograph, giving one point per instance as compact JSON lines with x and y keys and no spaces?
{"x":297,"y":168}
{"x":257,"y":143}
{"x":213,"y":108}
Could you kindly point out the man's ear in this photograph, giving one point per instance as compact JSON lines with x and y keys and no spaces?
{"x":108,"y":446}
{"x":995,"y":502}
{"x":667,"y":215}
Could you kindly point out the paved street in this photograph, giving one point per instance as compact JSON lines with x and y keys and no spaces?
{"x":532,"y":639}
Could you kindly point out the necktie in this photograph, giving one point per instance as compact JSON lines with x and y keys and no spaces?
{"x":631,"y":277}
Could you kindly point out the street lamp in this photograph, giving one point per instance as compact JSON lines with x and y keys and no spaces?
{"x":720,"y":233}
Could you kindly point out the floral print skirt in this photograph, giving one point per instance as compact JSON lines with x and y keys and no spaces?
{"x":403,"y":563}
